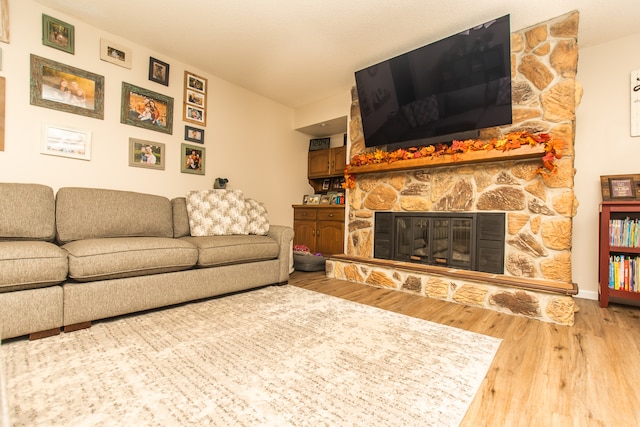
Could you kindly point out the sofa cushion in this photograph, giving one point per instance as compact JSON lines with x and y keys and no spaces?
{"x":180,"y":217}
{"x":34,"y":264}
{"x":257,"y":218}
{"x":111,"y":258}
{"x":91,"y":213}
{"x":28,"y":212}
{"x":221,"y":250}
{"x":216,"y":212}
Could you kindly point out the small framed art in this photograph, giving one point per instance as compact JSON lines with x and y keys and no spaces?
{"x":146,"y":154}
{"x":115,"y":53}
{"x":193,"y":159}
{"x":66,"y":142}
{"x":194,"y":134}
{"x":64,"y":88}
{"x":620,"y":187}
{"x":158,"y":71}
{"x":58,"y":34}
{"x":146,"y":109}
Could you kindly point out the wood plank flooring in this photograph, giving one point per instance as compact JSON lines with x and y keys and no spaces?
{"x":543,"y":374}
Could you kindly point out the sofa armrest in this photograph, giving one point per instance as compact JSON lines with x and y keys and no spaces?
{"x":284,"y":236}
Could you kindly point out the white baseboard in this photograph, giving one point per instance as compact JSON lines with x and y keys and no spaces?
{"x":593,"y":295}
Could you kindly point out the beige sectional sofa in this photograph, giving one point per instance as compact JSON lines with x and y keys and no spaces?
{"x":86,"y":254}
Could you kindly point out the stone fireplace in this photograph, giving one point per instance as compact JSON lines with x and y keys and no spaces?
{"x":537,"y":208}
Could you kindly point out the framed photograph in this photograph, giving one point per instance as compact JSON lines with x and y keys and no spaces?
{"x":194,"y":134}
{"x":336,"y":183}
{"x":326,"y":183}
{"x":115,"y":53}
{"x":4,"y":21}
{"x":146,"y":154}
{"x":195,"y":99}
{"x":616,"y":187}
{"x":194,"y":114}
{"x":305,"y":199}
{"x":325,"y":199}
{"x":146,"y":109}
{"x":193,"y":159}
{"x":314,"y":199}
{"x":66,"y":142}
{"x":158,"y":71}
{"x":57,"y":34}
{"x":61,"y":87}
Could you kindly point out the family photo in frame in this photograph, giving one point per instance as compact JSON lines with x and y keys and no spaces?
{"x":146,"y":154}
{"x":146,"y":109}
{"x":195,"y":99}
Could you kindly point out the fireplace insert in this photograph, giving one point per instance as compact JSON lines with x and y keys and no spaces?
{"x":471,"y":241}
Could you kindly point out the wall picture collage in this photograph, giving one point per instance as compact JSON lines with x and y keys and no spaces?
{"x":69,"y":89}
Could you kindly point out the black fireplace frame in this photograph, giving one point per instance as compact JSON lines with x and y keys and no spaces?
{"x":486,"y":246}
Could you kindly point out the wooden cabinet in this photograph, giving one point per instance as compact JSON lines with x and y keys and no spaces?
{"x":327,"y":163}
{"x":320,"y":228}
{"x":619,"y":251}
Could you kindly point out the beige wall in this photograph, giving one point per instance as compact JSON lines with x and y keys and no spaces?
{"x":603,"y":144}
{"x":249,"y":139}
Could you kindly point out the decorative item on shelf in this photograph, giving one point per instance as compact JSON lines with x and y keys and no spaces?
{"x":220,"y":183}
{"x":620,"y":187}
{"x":508,"y":142}
{"x":319,"y":144}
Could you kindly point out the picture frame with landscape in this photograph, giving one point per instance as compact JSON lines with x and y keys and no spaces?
{"x":146,"y":154}
{"x":65,"y":141}
{"x":58,"y":34}
{"x":65,"y":88}
{"x":146,"y":109}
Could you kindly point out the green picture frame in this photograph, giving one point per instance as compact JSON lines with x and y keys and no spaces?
{"x":65,"y":88}
{"x":58,"y":34}
{"x":146,"y":109}
{"x":192,"y":159}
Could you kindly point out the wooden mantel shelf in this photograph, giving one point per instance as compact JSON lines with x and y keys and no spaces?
{"x":524,"y":152}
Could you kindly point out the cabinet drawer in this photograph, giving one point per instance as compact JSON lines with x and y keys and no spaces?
{"x":331,"y":214}
{"x":304,"y":214}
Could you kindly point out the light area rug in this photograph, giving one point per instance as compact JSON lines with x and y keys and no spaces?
{"x":276,"y":356}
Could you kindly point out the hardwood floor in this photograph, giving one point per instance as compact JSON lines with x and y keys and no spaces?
{"x":543,"y":374}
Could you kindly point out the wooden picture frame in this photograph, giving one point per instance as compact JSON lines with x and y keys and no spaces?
{"x":146,"y":109}
{"x":158,"y":71}
{"x":65,"y":88}
{"x":192,"y":159}
{"x":146,"y":154}
{"x":194,"y":134}
{"x":195,"y":99}
{"x":115,"y":53}
{"x":58,"y":34}
{"x":620,"y":187}
{"x":4,"y":21}
{"x":66,"y":142}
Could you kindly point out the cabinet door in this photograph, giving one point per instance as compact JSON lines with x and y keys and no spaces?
{"x":330,"y":237}
{"x":319,"y":162}
{"x":305,"y":234}
{"x":338,"y":160}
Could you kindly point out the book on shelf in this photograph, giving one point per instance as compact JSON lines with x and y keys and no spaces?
{"x":624,"y":233}
{"x":624,"y":273}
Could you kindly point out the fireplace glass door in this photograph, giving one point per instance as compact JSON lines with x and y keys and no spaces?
{"x":412,"y":243}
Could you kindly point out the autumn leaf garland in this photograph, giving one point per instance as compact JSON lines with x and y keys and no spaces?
{"x":510,"y":141}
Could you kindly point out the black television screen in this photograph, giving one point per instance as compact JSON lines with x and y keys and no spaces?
{"x":445,"y":90}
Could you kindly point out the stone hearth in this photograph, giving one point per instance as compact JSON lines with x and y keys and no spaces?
{"x":539,"y":207}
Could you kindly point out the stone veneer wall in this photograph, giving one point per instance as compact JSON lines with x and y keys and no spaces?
{"x":539,"y":208}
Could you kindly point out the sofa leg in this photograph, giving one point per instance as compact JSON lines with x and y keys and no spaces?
{"x":282,"y":283}
{"x":44,"y":334}
{"x":77,"y":326}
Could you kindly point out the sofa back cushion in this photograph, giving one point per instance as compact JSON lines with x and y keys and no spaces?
{"x":90,"y":213}
{"x":180,"y":217}
{"x":27,"y":212}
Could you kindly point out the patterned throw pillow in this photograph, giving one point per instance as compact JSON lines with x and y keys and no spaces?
{"x":504,"y":91}
{"x":257,"y":219}
{"x":217,"y":212}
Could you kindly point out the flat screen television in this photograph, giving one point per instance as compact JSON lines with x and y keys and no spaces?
{"x":446,"y":90}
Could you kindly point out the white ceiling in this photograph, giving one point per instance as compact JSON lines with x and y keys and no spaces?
{"x":297,"y":52}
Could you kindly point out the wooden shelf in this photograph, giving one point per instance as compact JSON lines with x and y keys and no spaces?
{"x":524,"y":152}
